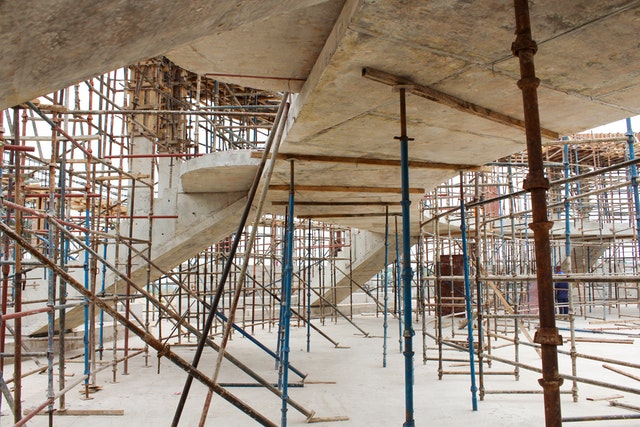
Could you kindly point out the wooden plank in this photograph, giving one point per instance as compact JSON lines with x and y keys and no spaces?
{"x":609,"y":397}
{"x":348,"y":215}
{"x":605,"y":340}
{"x":414,"y":164}
{"x":451,"y":101}
{"x":372,"y":203}
{"x":326,"y":419}
{"x":318,"y":382}
{"x":118,"y":177}
{"x":345,"y":189}
{"x":82,"y":412}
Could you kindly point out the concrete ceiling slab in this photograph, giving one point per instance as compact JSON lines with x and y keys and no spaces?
{"x":462,"y":49}
{"x":275,"y":53}
{"x":49,"y":45}
{"x":592,"y":56}
{"x":587,"y":62}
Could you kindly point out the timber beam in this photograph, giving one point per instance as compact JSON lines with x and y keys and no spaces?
{"x":344,"y":189}
{"x":369,"y":161}
{"x":348,"y":215}
{"x":283,"y":203}
{"x":450,"y":101}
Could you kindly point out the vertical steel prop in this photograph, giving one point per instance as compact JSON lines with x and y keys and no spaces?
{"x":85,"y":335}
{"x":568,"y":268}
{"x":406,"y":260}
{"x":18,"y":278}
{"x":633,"y":170}
{"x":476,"y":215}
{"x":467,"y":298}
{"x":397,"y":286}
{"x":385,"y":325}
{"x":286,"y":306}
{"x":537,"y":185}
{"x":309,"y":287}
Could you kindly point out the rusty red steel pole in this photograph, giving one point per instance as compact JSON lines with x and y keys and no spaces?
{"x":537,"y":185}
{"x":18,"y":275}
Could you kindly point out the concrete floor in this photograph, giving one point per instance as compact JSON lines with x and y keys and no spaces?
{"x":347,"y":381}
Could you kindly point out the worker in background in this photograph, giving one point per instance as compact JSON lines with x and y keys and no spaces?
{"x":562,"y":294}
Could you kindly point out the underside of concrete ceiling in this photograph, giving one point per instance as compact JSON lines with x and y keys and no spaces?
{"x":464,"y":108}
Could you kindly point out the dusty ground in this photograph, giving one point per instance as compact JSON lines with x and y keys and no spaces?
{"x":349,"y":382}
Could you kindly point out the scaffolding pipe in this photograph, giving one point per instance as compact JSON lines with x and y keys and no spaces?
{"x":309,"y":287}
{"x":6,"y":392}
{"x":17,"y":282}
{"x":567,"y":221}
{"x":406,"y":262}
{"x":634,"y":177}
{"x":385,"y":324}
{"x":102,"y":290}
{"x":478,"y":283}
{"x":6,"y":268}
{"x":266,"y":349}
{"x":467,"y":294}
{"x":87,"y":242}
{"x":564,"y":278}
{"x":567,"y":255}
{"x":283,"y":379}
{"x":34,"y":412}
{"x":207,"y":112}
{"x":51,"y":299}
{"x":438,"y":285}
{"x":397,"y":288}
{"x":601,"y":418}
{"x":25,"y":313}
{"x":537,"y":184}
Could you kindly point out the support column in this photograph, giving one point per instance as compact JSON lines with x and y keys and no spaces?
{"x":634,"y":176}
{"x":286,"y":298}
{"x":467,"y":297}
{"x":406,"y":261}
{"x":17,"y":283}
{"x":386,"y":287}
{"x":537,"y":184}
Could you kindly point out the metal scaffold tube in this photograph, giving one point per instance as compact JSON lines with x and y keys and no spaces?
{"x":283,"y":376}
{"x":308,"y":269}
{"x":633,"y":172}
{"x":479,"y":288}
{"x":18,"y":274}
{"x":385,"y":324}
{"x":407,"y":273}
{"x":467,"y":294}
{"x":537,"y":184}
